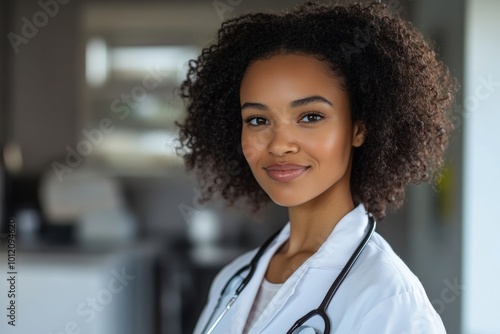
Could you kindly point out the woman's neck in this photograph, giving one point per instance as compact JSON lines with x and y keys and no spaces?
{"x":311,"y":223}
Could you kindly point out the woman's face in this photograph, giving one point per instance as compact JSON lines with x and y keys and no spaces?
{"x":297,"y":134}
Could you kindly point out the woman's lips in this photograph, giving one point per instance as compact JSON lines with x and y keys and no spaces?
{"x":285,"y":172}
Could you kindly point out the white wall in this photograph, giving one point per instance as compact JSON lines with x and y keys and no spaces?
{"x":481,"y":266}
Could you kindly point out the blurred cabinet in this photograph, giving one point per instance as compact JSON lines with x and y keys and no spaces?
{"x":43,"y":84}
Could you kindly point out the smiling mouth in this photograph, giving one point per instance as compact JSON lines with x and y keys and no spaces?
{"x":285,"y":173}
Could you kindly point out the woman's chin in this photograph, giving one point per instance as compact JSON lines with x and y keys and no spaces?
{"x":287,"y":201}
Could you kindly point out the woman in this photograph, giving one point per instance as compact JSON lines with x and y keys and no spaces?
{"x":330,"y":111}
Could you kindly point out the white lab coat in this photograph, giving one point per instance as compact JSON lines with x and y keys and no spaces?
{"x":379,"y":295}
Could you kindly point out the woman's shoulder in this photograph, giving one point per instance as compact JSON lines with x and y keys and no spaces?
{"x":393,"y":297}
{"x":383,"y":278}
{"x":386,"y":268}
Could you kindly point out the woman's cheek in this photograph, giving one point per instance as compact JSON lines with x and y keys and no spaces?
{"x":254,"y":145}
{"x":249,"y":150}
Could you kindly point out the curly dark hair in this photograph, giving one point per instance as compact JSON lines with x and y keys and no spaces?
{"x":396,"y":86}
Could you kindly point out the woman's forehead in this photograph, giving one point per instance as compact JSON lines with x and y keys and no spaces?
{"x":289,"y":75}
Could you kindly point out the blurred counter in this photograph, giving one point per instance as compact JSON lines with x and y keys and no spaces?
{"x":98,"y":289}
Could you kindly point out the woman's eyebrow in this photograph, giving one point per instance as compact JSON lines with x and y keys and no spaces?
{"x":309,"y":100}
{"x":254,"y":105}
{"x":293,"y":104}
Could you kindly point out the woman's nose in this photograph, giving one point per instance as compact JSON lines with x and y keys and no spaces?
{"x":282,"y":142}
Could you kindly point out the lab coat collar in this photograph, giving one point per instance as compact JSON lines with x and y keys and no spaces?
{"x":338,"y":246}
{"x":332,"y":254}
{"x":342,"y":242}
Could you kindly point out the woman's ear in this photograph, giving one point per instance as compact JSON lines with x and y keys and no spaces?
{"x":358,"y":134}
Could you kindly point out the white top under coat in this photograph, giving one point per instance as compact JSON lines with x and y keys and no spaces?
{"x":264,"y":296}
{"x":380,"y":294}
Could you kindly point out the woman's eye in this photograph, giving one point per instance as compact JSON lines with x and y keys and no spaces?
{"x":256,"y":121}
{"x":311,"y":118}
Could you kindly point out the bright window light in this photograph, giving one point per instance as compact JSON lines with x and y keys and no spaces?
{"x":96,"y":62}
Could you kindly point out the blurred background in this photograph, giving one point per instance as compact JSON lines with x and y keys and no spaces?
{"x":110,"y":236}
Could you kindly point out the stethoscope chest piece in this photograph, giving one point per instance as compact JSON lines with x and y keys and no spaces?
{"x":305,"y":330}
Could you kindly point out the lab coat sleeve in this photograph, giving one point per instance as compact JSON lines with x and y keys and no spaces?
{"x":404,"y":313}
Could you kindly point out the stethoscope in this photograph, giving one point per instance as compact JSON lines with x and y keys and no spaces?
{"x":298,"y":326}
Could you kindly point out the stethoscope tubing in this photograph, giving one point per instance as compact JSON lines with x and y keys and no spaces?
{"x":320,"y":311}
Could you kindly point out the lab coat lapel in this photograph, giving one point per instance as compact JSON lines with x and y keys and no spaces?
{"x":242,"y":307}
